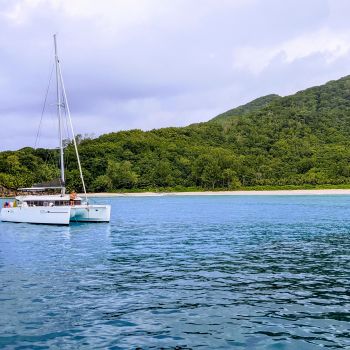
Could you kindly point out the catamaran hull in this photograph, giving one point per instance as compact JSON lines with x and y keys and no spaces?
{"x":37,"y":215}
{"x":62,"y":215}
{"x":90,"y":213}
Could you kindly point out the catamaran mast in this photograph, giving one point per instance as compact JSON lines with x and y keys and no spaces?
{"x":60,"y":83}
{"x":59,"y":115}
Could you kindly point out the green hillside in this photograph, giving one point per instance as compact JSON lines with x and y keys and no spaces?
{"x":249,"y":107}
{"x":300,"y":140}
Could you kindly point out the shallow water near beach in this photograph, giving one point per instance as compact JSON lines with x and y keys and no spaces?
{"x":178,"y":272}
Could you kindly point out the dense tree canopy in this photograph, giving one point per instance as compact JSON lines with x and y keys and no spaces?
{"x":301,"y":139}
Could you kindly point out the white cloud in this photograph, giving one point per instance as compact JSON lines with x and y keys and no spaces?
{"x":330,"y":44}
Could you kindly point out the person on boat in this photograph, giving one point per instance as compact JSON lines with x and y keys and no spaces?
{"x":72,"y":197}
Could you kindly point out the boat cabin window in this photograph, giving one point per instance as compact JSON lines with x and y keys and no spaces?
{"x":46,"y":203}
{"x":61,"y":203}
{"x":34,"y":203}
{"x":51,"y":203}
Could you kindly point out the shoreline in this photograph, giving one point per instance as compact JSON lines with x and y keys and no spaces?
{"x":309,"y":192}
{"x":226,"y":193}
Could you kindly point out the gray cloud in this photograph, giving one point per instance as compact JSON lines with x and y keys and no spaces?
{"x":152,"y":63}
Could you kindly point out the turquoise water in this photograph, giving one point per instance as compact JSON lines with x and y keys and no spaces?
{"x":182,"y":273}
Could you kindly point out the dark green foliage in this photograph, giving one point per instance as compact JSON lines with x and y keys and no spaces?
{"x":250,"y":107}
{"x":121,"y":174}
{"x":300,"y":140}
{"x":102,"y":183}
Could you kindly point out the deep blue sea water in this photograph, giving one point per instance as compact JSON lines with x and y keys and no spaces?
{"x":196,"y":272}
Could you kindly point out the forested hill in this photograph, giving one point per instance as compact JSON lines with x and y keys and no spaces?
{"x":249,"y":107}
{"x":301,"y":140}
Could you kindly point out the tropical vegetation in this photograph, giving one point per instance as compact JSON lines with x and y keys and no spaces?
{"x":300,"y":140}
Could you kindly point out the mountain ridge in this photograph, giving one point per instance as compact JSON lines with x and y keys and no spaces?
{"x":246,"y":108}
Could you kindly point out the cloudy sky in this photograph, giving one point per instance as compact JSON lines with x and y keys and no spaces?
{"x":153,"y":63}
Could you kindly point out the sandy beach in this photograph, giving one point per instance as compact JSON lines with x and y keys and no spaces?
{"x":228,"y":193}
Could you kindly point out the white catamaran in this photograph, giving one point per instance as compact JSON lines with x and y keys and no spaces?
{"x":59,"y":209}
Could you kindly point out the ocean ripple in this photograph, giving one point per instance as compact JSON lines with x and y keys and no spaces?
{"x":182,"y":273}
